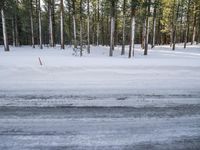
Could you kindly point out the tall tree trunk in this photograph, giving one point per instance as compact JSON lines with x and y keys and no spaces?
{"x":172,"y":23}
{"x":175,"y":16}
{"x":181,"y":24}
{"x":88,"y":26}
{"x":131,"y":50}
{"x":158,"y":39}
{"x":123,"y":28}
{"x":187,"y":25}
{"x":5,"y":38}
{"x":143,"y":28}
{"x":13,"y":31}
{"x":93,"y":30}
{"x":32,"y":28}
{"x":147,"y":28}
{"x":40,"y":24}
{"x":112,"y":28}
{"x":116,"y":30}
{"x":97,"y":22}
{"x":51,"y":36}
{"x":74,"y":22}
{"x":107,"y":30}
{"x":171,"y":35}
{"x":103,"y":27}
{"x":53,"y":23}
{"x":69,"y":25}
{"x":16,"y":23}
{"x":62,"y":24}
{"x":81,"y":36}
{"x":143,"y":32}
{"x":194,"y":25}
{"x":154,"y":25}
{"x":37,"y":22}
{"x":198,"y":35}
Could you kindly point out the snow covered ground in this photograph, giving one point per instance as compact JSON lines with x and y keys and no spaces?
{"x":99,"y":102}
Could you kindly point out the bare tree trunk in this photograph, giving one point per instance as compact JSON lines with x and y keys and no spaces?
{"x":158,"y":39}
{"x":40,"y":24}
{"x":187,"y":25}
{"x":154,"y":25}
{"x":172,"y":24}
{"x":112,"y":28}
{"x":181,"y":24}
{"x":175,"y":16}
{"x":62,"y":24}
{"x":37,"y":22}
{"x":116,"y":31}
{"x":194,"y":25}
{"x":51,"y":37}
{"x":5,"y":38}
{"x":74,"y":23}
{"x":97,"y":22}
{"x":102,"y":26}
{"x":147,"y":29}
{"x":93,"y":30}
{"x":112,"y":36}
{"x":88,"y":26}
{"x":32,"y":28}
{"x":81,"y":40}
{"x":13,"y":31}
{"x":198,"y":34}
{"x":53,"y":23}
{"x":123,"y":28}
{"x":69,"y":25}
{"x":81,"y":36}
{"x":16,"y":24}
{"x":107,"y":30}
{"x":131,"y":50}
{"x":143,"y":33}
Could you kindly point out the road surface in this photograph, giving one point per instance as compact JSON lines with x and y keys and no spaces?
{"x":172,"y":126}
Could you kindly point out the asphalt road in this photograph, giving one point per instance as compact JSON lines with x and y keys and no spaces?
{"x":88,"y":128}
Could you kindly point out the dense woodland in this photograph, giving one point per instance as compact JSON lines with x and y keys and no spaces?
{"x":82,"y":23}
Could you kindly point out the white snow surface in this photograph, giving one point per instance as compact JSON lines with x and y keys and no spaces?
{"x":163,"y":73}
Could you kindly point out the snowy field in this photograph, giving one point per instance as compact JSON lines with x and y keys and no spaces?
{"x":100,"y":102}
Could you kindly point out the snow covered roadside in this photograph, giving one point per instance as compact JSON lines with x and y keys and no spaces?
{"x":166,"y":74}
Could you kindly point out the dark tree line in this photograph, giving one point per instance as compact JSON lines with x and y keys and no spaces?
{"x":82,"y":23}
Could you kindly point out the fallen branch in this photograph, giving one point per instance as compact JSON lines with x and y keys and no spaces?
{"x":40,"y":61}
